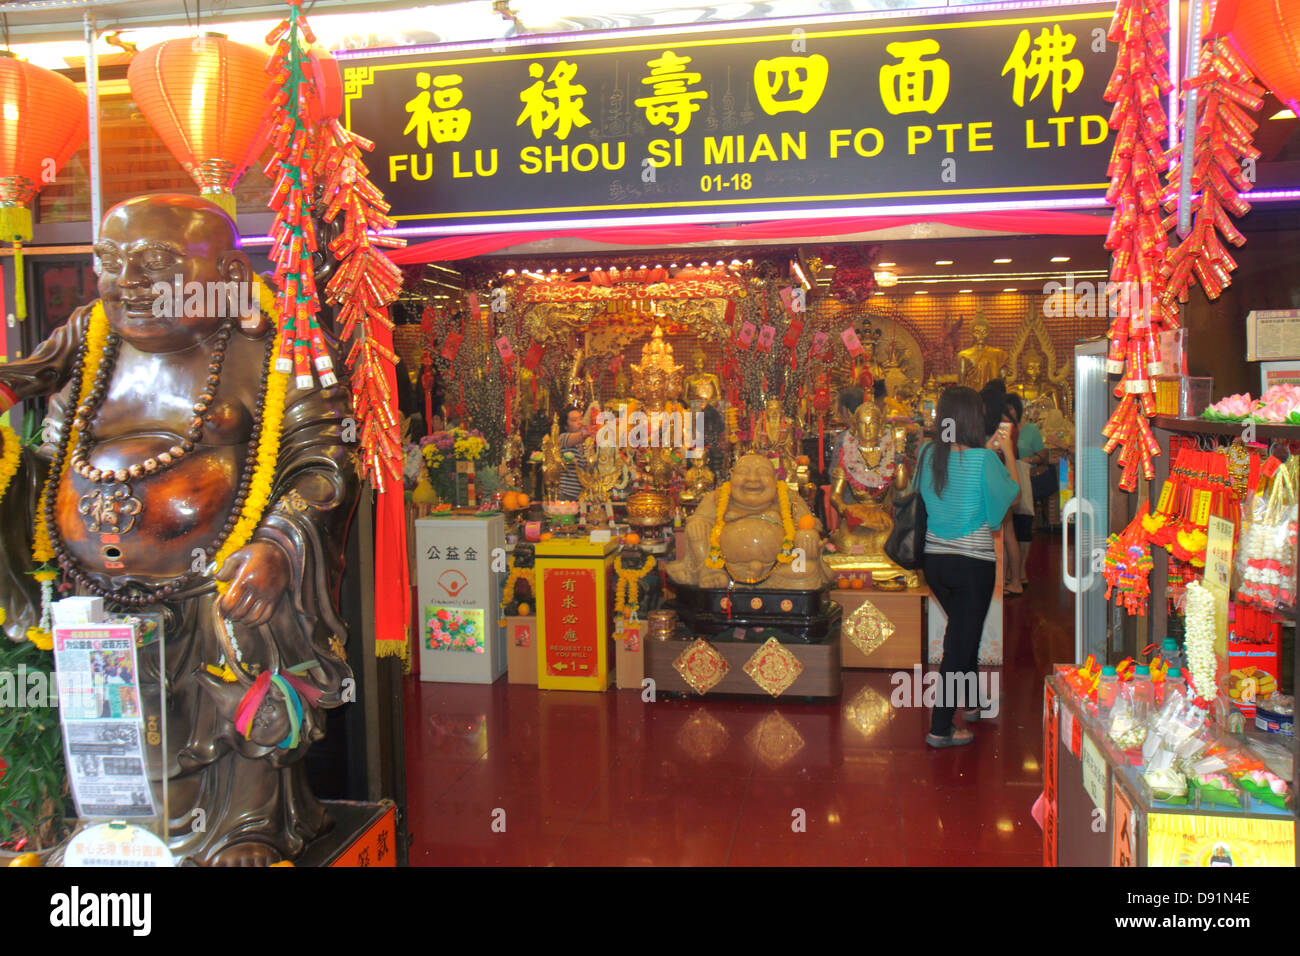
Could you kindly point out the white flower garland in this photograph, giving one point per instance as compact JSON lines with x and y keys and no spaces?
{"x":1199,"y":640}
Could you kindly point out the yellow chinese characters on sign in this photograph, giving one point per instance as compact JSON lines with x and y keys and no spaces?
{"x":446,"y":124}
{"x":672,"y":103}
{"x":790,"y":84}
{"x":1050,"y":60}
{"x":914,"y":84}
{"x":557,"y":108}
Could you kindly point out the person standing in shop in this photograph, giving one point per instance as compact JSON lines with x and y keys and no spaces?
{"x":571,"y":442}
{"x":967,"y":489}
{"x":1032,"y":452}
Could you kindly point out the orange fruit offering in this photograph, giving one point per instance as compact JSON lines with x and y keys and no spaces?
{"x":806,"y":523}
{"x":546,"y":536}
{"x":843,"y":584}
{"x":803,"y":460}
{"x":632,"y":539}
{"x":510,"y":501}
{"x":857,"y":584}
{"x":522,"y":500}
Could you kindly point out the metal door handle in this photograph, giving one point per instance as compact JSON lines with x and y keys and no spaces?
{"x":1071,"y":510}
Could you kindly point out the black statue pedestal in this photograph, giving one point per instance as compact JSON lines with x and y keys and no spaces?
{"x":737,"y":623}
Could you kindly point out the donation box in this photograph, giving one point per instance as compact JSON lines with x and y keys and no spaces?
{"x":461,"y":638}
{"x":574,"y":614}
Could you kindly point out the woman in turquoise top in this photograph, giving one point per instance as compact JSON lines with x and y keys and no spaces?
{"x":967,"y":488}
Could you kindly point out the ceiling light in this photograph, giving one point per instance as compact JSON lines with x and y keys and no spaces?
{"x":1060,"y":258}
{"x":1001,"y":261}
{"x":886,"y":279}
{"x":921,"y":292}
{"x":961,"y":291}
{"x":1283,"y":114}
{"x":1008,"y":290}
{"x":943,"y":262}
{"x":885,"y":264}
{"x":878,"y":292}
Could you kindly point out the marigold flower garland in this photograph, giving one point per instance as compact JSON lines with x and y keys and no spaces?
{"x":786,"y":555}
{"x":627,"y":596}
{"x":268,"y":453}
{"x":42,"y":547}
{"x":508,"y":592}
{"x":9,"y":460}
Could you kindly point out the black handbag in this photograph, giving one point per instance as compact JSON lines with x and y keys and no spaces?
{"x":906,"y":542}
{"x":1044,"y":485}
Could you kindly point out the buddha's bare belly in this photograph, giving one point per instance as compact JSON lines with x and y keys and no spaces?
{"x":751,"y":539}
{"x":153,"y":531}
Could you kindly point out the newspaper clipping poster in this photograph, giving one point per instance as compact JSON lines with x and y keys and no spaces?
{"x":99,"y":703}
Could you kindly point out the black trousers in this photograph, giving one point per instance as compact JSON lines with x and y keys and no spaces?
{"x":964,"y":589}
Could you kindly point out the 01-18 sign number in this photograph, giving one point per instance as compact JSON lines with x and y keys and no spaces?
{"x":739,"y":181}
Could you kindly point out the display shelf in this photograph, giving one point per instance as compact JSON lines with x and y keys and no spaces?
{"x":1130,"y":776}
{"x":1200,"y":426}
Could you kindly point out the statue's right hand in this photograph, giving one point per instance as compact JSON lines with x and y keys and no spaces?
{"x":259,"y":574}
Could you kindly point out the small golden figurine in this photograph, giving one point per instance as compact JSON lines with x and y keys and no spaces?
{"x":552,"y":462}
{"x":774,"y":440}
{"x":702,"y":386}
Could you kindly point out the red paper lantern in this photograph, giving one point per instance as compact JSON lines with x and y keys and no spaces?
{"x":43,"y":121}
{"x":1267,"y":32}
{"x":205,"y":97}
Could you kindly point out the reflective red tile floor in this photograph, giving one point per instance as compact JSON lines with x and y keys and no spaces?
{"x":507,"y":775}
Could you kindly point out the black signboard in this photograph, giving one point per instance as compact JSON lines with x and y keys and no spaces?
{"x":993,"y":109}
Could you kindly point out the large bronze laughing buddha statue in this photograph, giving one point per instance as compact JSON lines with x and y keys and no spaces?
{"x":154,"y":428}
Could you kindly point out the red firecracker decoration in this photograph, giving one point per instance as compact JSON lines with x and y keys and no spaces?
{"x":311,"y":149}
{"x":1222,"y":138}
{"x":1136,"y":237}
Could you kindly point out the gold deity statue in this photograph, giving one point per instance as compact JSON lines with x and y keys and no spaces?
{"x":774,"y":440}
{"x":867,"y":471}
{"x":657,"y":458}
{"x":601,"y":470}
{"x":981,"y":363}
{"x":702,"y":386}
{"x":658,"y":378}
{"x":1035,"y":389}
{"x":552,"y":460}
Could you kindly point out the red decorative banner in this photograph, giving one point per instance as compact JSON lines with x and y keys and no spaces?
{"x":571,"y":630}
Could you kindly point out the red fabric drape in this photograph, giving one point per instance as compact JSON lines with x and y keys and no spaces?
{"x":392,"y":574}
{"x":1034,"y":222}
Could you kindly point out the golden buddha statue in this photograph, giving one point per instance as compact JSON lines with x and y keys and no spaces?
{"x":864,"y":477}
{"x":702,"y":386}
{"x":752,"y":532}
{"x":1035,"y":389}
{"x":774,"y":439}
{"x":622,"y":395}
{"x":981,"y":363}
{"x":698,"y":482}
